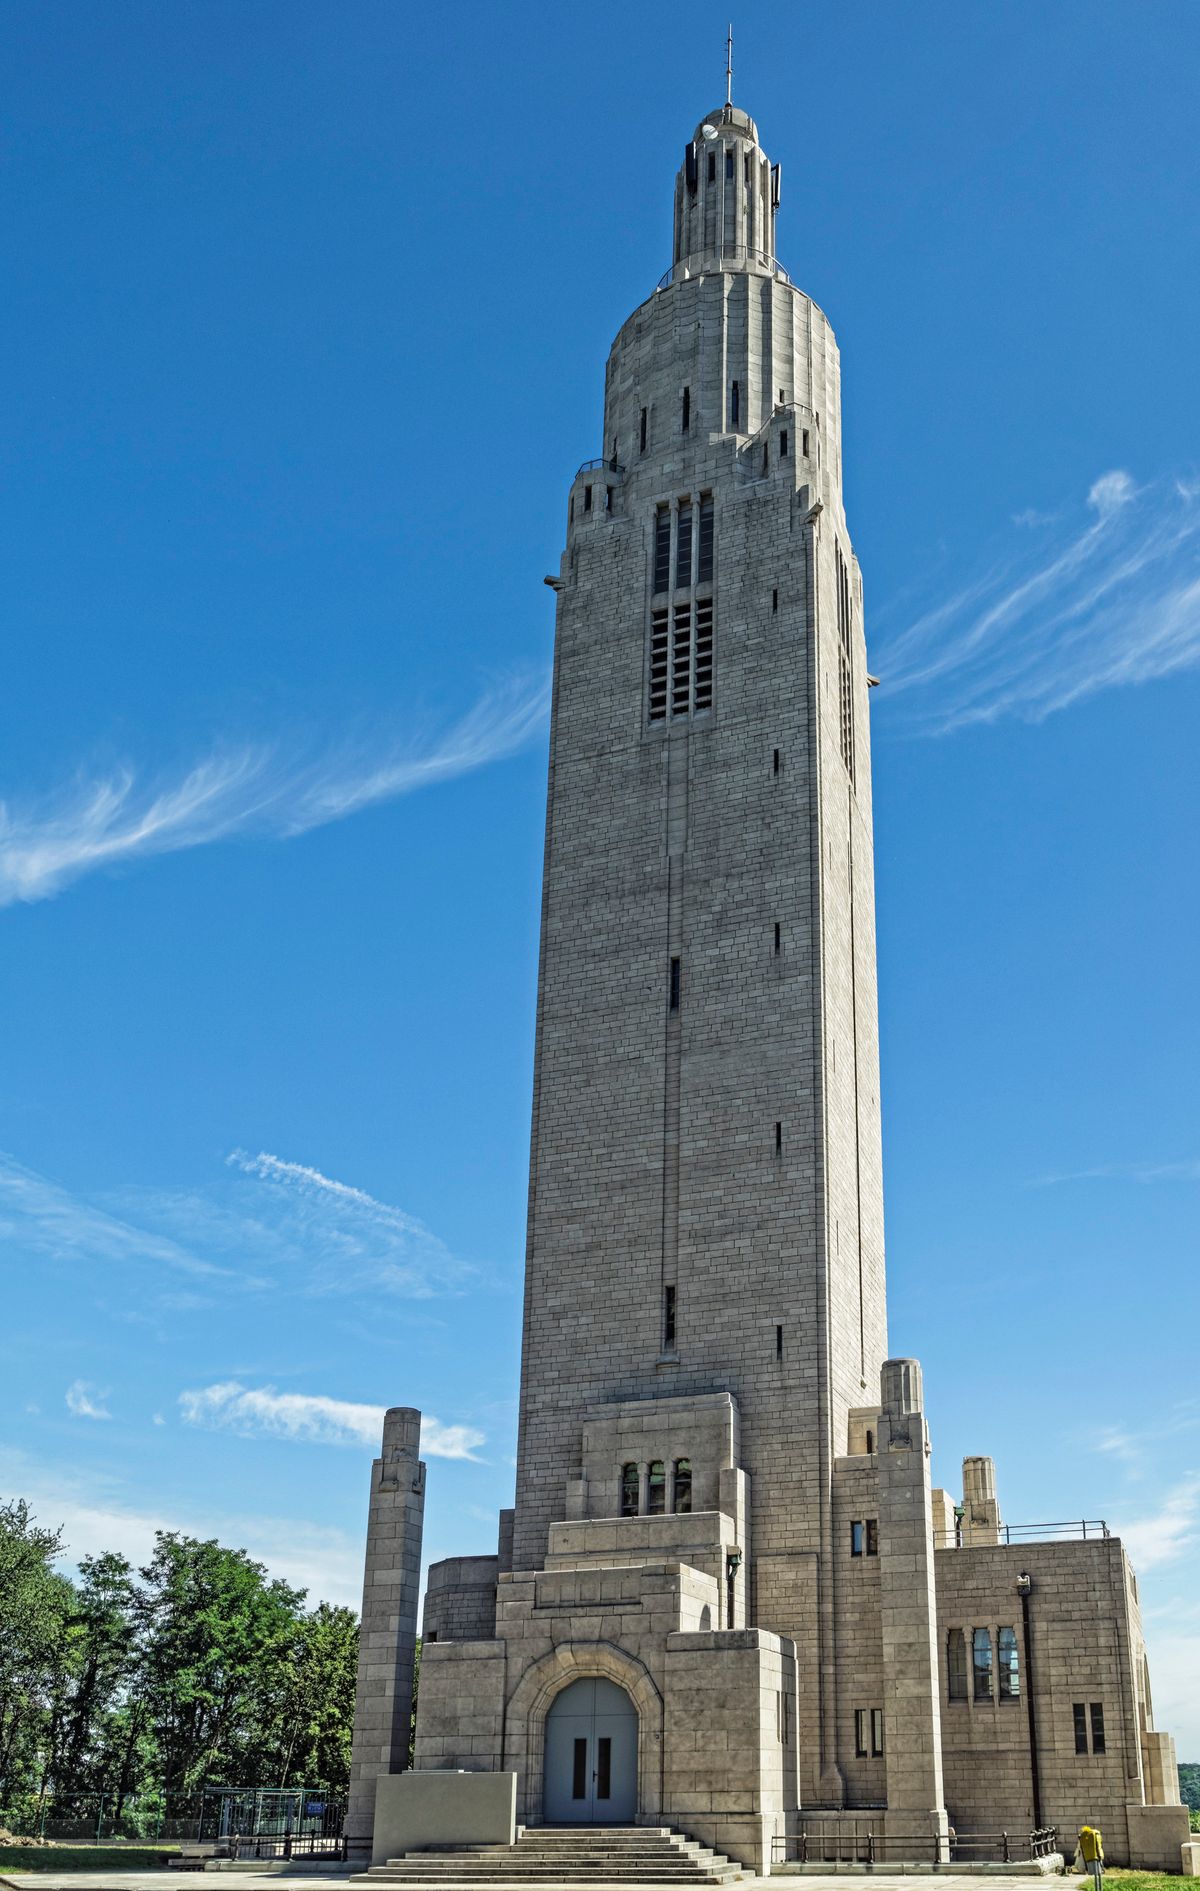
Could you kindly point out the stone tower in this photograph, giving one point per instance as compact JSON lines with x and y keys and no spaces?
{"x":705,"y":1205}
{"x":729,"y":1598}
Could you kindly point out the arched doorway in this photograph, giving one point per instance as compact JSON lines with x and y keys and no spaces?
{"x":591,"y":1755}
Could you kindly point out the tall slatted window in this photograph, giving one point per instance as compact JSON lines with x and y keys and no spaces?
{"x":683,"y":547}
{"x":704,"y":563}
{"x":660,"y":638}
{"x":681,"y":662}
{"x":662,"y":548}
{"x":704,"y":655}
{"x":845,"y":661}
{"x":680,"y":669}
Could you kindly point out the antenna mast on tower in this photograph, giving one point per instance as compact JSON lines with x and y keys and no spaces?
{"x":729,"y":65}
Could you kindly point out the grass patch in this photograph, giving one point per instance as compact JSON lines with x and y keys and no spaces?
{"x":82,"y":1857}
{"x":1138,"y":1881}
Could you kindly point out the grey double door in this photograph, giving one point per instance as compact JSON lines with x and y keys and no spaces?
{"x":591,"y":1756}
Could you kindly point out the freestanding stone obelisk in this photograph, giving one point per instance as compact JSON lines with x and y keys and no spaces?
{"x":388,"y":1633}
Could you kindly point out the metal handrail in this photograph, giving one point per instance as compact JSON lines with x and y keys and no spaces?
{"x":839,"y":1844}
{"x":1079,"y":1529}
{"x":595,"y":466}
{"x":720,"y":259}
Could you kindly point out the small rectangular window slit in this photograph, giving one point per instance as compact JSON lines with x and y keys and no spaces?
{"x":775,"y":764}
{"x":668,"y":1319}
{"x":779,"y":1342}
{"x":777,"y":938}
{"x":675,"y":984}
{"x":775,"y":600}
{"x":778,"y":1138}
{"x":642,"y":432}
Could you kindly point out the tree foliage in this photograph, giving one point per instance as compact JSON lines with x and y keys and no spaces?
{"x":150,"y":1683}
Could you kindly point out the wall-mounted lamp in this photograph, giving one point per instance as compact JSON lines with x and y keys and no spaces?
{"x":1024,"y":1583}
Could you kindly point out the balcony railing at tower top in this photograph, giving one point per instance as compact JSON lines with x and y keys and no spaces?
{"x":1080,"y":1529}
{"x":601,"y":465}
{"x":705,"y":262}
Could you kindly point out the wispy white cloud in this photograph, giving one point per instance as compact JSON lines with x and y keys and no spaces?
{"x":1164,"y":1534}
{"x":1187,"y":1171}
{"x":1140,"y":1447}
{"x":38,"y":1217}
{"x":1086,"y":607}
{"x":313,"y":1418}
{"x":86,"y":1401}
{"x":104,"y":820}
{"x":261,"y":1222}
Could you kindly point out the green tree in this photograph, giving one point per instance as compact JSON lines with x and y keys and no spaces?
{"x":305,"y":1735}
{"x":35,"y":1609}
{"x":213,"y":1633}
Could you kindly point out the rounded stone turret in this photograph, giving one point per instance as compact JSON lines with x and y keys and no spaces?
{"x":726,"y":196}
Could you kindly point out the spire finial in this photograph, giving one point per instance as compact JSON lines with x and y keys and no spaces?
{"x":729,"y":65}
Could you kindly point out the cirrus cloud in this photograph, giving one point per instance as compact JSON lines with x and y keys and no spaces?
{"x":313,"y":1418}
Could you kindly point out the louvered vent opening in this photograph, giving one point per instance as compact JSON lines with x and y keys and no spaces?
{"x":704,"y":654}
{"x":659,"y":657}
{"x":681,"y":666}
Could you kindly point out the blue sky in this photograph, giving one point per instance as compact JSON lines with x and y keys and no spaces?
{"x":305,"y":316}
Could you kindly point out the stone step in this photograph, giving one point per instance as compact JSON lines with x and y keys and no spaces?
{"x":563,"y":1855}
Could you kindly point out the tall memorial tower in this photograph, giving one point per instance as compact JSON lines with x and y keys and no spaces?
{"x":705,"y":1204}
{"x":728,"y":1599}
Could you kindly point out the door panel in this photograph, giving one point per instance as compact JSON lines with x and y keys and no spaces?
{"x":591,"y":1756}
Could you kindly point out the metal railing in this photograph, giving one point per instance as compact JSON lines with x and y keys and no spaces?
{"x":596,"y":466}
{"x":1079,"y":1529}
{"x":845,"y":1842}
{"x":705,"y":262}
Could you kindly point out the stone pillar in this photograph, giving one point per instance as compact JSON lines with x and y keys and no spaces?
{"x":387,"y":1642}
{"x":981,"y":1512}
{"x":912,"y":1742}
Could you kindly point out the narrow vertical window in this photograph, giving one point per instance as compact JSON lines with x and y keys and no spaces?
{"x":681,"y":662}
{"x":1008,"y":1673}
{"x":659,"y":654}
{"x":783,"y":443}
{"x":704,"y":655}
{"x":735,"y":406}
{"x":662,"y":549}
{"x":766,"y":459}
{"x":856,"y":1539}
{"x":608,"y":493}
{"x":712,"y":167}
{"x":683,"y":547}
{"x":656,"y":1489}
{"x":642,"y":432}
{"x":981,"y":1658}
{"x":587,"y":498}
{"x":604,"y":1766}
{"x":1079,"y":1713}
{"x":877,"y":1731}
{"x":778,"y":1138}
{"x":579,"y":1770}
{"x":729,"y":160}
{"x":872,"y":1527}
{"x":779,"y":1342}
{"x":1097,"y":1728}
{"x":956,"y":1665}
{"x":860,"y":1732}
{"x":704,"y":561}
{"x":669,"y":1319}
{"x":775,"y":763}
{"x":746,"y":168}
{"x":629,"y":1490}
{"x":687,"y":409}
{"x":775,"y":600}
{"x":845,"y":658}
{"x":683,"y":1486}
{"x":673,"y":999}
{"x":870,"y":1444}
{"x":777,"y":938}
{"x":571,"y":510}
{"x":804,"y":441}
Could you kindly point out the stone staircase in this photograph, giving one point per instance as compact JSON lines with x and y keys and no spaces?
{"x":565,"y":1855}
